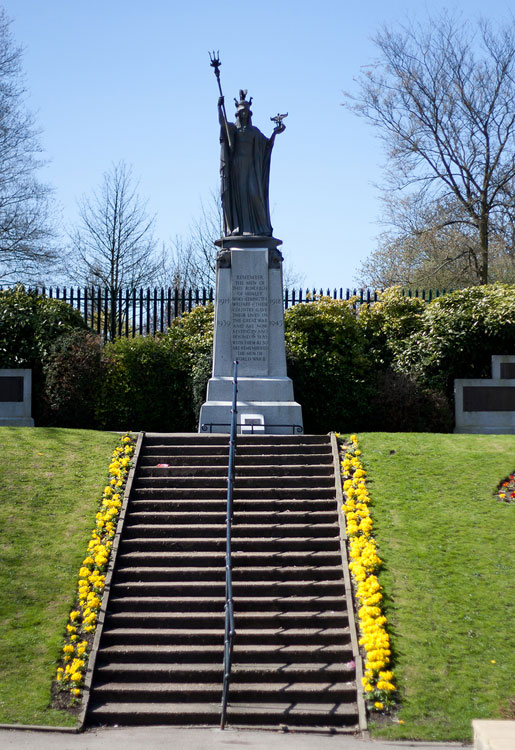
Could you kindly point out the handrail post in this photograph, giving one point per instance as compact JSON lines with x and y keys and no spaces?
{"x":230,"y":631}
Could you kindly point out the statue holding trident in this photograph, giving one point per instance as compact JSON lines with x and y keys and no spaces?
{"x":244,"y":166}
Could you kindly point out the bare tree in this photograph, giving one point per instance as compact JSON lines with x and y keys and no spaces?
{"x":426,"y":246}
{"x":192,"y":260}
{"x":442,"y":96}
{"x":25,"y":232}
{"x":114,"y":246}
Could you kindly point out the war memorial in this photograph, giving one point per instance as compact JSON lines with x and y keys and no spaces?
{"x":249,"y":317}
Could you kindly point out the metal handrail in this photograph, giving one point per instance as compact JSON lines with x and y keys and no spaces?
{"x":230,"y":631}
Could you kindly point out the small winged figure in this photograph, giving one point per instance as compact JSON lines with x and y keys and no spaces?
{"x":279,"y":125}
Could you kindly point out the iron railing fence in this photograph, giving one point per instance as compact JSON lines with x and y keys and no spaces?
{"x":146,"y":311}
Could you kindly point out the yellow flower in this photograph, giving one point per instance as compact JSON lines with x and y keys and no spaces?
{"x":378,"y":705}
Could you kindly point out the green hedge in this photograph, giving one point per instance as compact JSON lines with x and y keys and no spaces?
{"x":30,"y":325}
{"x":332,"y":377}
{"x":389,"y":368}
{"x":458,"y":334}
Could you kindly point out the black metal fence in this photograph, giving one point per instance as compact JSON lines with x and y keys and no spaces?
{"x":129,"y":312}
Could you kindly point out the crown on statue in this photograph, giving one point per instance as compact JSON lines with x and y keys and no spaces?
{"x":243,"y":103}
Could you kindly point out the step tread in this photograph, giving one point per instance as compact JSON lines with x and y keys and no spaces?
{"x":257,"y":648}
{"x":248,"y":632}
{"x":322,"y":687}
{"x":309,"y":615}
{"x":221,"y":568}
{"x":270,"y":669}
{"x":159,"y":709}
{"x":324,"y":602}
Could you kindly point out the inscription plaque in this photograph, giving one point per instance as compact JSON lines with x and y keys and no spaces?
{"x":507,"y":370}
{"x":249,"y":313}
{"x":488,"y":398}
{"x":11,"y":389}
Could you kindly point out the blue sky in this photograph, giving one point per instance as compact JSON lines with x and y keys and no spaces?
{"x":112,"y":79}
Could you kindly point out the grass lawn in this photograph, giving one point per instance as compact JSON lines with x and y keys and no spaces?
{"x":449,"y":571}
{"x":51,"y":482}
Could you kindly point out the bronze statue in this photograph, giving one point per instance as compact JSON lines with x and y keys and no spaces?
{"x":244,"y":167}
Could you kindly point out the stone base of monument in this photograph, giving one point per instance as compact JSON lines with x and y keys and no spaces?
{"x":487,"y":405}
{"x":271,"y":397}
{"x":249,"y":328}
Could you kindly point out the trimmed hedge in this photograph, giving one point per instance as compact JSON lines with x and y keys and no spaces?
{"x":72,"y":375}
{"x":458,"y":334}
{"x":390,"y":367}
{"x":332,"y":377}
{"x":30,"y":325}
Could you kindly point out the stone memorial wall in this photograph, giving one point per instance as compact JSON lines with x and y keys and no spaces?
{"x":16,"y":398}
{"x":487,"y":405}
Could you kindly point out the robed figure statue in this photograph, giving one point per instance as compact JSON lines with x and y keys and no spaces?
{"x":245,"y":171}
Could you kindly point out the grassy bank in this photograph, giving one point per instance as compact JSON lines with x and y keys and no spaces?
{"x":448,"y":572}
{"x":448,"y":551}
{"x":51,"y":481}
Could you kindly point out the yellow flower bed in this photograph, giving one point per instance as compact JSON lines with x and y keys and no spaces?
{"x":82,"y":621}
{"x":378,"y":678}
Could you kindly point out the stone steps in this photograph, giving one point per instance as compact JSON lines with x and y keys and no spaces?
{"x":241,"y":560}
{"x":210,"y":691}
{"x":161,"y":649}
{"x":242,"y":654}
{"x":271,"y":573}
{"x":253,"y":470}
{"x":269,"y":672}
{"x":215,"y":619}
{"x":263,"y":715}
{"x":242,"y":604}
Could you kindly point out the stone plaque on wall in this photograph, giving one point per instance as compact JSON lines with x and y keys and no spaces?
{"x":16,"y":397}
{"x":11,"y":388}
{"x":488,"y":398}
{"x":507,"y":370}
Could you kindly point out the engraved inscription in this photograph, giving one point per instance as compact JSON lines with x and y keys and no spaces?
{"x":507,"y":369}
{"x":488,"y":398}
{"x":250,"y":318}
{"x":11,"y":388}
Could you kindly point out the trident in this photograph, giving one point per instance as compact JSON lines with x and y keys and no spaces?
{"x":215,"y":64}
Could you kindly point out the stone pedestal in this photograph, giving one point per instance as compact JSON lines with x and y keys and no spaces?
{"x":249,"y":327}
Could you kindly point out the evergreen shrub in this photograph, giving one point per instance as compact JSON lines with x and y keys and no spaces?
{"x":29,"y":327}
{"x":326,"y":354}
{"x":144,"y":387}
{"x":388,"y":323}
{"x":158,"y":383}
{"x":72,"y":376}
{"x":457,"y":336}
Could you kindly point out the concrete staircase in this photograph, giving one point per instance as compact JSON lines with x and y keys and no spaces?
{"x":161,"y":650}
